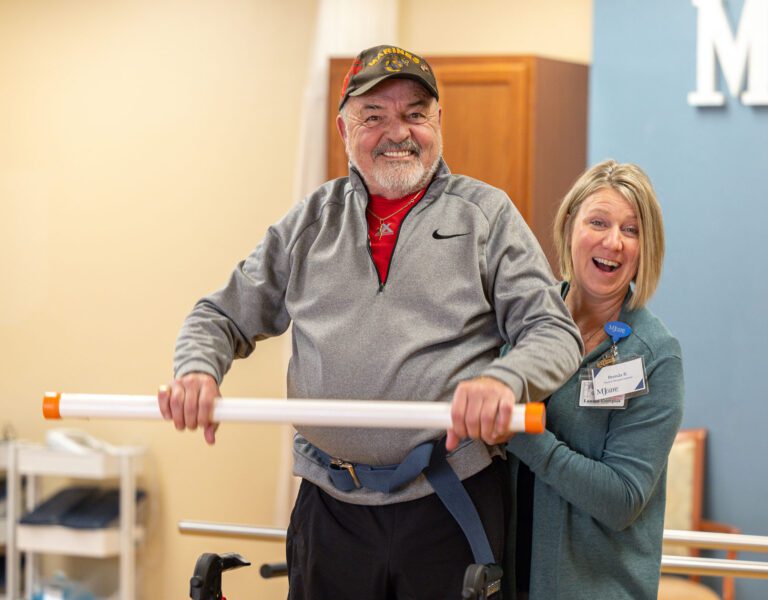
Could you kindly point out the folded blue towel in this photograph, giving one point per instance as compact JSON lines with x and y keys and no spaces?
{"x":97,"y":512}
{"x":54,"y":508}
{"x":79,"y":507}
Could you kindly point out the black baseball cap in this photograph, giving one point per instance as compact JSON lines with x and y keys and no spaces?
{"x":374,"y":65}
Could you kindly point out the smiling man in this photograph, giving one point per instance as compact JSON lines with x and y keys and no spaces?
{"x":402,"y":282}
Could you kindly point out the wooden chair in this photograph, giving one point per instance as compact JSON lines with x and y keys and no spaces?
{"x":685,"y":492}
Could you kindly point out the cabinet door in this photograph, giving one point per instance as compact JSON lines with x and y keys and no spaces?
{"x":485,"y":123}
{"x":337,"y":156}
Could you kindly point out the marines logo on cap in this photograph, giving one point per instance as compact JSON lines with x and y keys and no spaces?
{"x":396,"y":64}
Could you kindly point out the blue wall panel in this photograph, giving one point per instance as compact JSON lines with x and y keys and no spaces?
{"x":710,"y":169}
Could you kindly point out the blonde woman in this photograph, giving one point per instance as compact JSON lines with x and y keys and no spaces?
{"x":591,"y":489}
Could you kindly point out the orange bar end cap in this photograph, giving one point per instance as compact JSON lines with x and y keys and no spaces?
{"x":51,"y":405}
{"x":535,"y":417}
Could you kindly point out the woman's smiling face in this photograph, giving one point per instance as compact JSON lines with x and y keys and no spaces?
{"x":605,"y":245}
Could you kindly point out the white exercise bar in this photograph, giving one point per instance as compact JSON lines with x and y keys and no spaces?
{"x":340,"y":413}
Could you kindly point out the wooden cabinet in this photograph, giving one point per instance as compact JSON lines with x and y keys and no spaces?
{"x":516,"y":122}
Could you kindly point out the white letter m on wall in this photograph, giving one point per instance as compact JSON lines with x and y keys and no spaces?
{"x":750,"y":48}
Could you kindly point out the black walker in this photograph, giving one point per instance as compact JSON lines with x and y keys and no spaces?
{"x":481,"y":582}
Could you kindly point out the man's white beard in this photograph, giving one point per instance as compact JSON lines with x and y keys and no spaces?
{"x":398,"y":179}
{"x":402,"y":178}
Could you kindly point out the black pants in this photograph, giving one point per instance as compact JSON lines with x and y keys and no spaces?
{"x":405,"y":551}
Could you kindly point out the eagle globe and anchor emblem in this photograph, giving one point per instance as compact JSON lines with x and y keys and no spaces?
{"x":396,"y":63}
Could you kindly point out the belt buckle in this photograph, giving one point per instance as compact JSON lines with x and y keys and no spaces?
{"x":339,"y":464}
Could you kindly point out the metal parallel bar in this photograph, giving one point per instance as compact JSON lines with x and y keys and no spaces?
{"x":669,"y":564}
{"x":697,"y":539}
{"x":688,"y":565}
{"x":716,"y":541}
{"x":232,"y":530}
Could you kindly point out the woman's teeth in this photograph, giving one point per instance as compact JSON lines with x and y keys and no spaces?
{"x":605,"y":265}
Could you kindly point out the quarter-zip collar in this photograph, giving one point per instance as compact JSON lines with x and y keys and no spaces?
{"x":360,"y":195}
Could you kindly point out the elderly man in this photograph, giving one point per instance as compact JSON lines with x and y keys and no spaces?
{"x":402,"y":281}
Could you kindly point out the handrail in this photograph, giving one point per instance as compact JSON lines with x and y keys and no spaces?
{"x":686,"y":565}
{"x":232,"y":530}
{"x":689,"y":565}
{"x":694,"y":565}
{"x":716,"y":541}
{"x":693,"y":539}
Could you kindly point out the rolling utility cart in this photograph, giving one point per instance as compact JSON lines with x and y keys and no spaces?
{"x":3,"y":528}
{"x":34,"y":461}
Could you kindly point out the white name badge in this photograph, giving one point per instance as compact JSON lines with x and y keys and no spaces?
{"x":623,"y":378}
{"x":587,"y":398}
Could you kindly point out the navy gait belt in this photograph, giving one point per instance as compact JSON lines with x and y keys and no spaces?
{"x":428,"y":458}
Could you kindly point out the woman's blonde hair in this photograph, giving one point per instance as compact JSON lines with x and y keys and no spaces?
{"x":633,"y":184}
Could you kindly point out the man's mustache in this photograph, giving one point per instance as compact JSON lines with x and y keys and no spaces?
{"x":408,"y":145}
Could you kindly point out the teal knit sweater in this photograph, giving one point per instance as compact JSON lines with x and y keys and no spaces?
{"x":600,"y":479}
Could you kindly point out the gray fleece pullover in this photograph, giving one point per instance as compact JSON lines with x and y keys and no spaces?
{"x":466,"y":276}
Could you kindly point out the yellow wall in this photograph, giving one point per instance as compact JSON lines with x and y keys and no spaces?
{"x":559,"y":29}
{"x":145,"y":146}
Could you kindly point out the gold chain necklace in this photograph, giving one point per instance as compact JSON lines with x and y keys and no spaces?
{"x":382,"y":225}
{"x":591,"y":335}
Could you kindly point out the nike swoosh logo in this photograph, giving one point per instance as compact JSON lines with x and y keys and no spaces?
{"x":440,"y":236}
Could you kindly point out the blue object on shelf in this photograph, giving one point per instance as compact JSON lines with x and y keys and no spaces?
{"x":60,"y":587}
{"x":51,"y":511}
{"x":97,"y":511}
{"x":80,"y":507}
